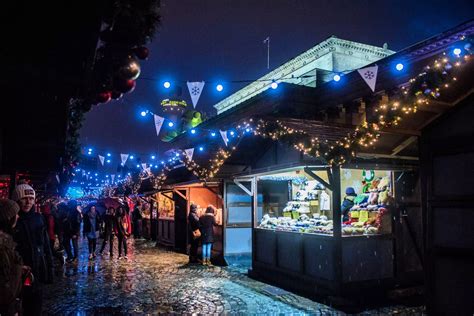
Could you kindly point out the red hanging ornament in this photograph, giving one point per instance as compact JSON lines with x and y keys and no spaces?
{"x":125,"y":86}
{"x":104,"y":97}
{"x":130,"y":69}
{"x":141,"y":52}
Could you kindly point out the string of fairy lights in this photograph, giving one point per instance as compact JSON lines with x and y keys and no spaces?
{"x":418,"y":91}
{"x":405,"y":100}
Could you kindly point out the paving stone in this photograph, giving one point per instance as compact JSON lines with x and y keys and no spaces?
{"x":155,"y":281}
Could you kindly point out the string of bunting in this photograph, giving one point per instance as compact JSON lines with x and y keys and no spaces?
{"x":403,"y":101}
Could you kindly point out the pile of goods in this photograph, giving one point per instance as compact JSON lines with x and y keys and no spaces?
{"x":370,"y":215}
{"x":303,"y":224}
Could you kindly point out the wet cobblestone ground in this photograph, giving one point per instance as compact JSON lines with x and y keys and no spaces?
{"x":155,"y":281}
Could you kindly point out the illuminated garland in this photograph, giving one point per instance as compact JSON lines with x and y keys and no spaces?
{"x":216,"y":163}
{"x":404,"y":101}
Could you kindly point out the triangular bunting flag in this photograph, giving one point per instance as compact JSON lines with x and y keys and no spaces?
{"x":189,"y":153}
{"x":369,"y":74}
{"x":144,"y":166}
{"x":101,"y":158}
{"x":224,"y":136}
{"x":124,"y":158}
{"x":195,"y":89}
{"x":113,"y":177}
{"x":158,"y":123}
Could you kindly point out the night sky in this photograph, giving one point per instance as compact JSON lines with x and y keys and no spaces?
{"x":214,"y":40}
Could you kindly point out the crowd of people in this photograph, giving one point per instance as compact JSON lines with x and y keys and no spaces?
{"x":35,"y":238}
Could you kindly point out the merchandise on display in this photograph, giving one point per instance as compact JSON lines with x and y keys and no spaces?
{"x":368,"y":215}
{"x":308,"y":212}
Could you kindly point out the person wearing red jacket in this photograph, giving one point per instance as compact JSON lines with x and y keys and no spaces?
{"x":123,"y":229}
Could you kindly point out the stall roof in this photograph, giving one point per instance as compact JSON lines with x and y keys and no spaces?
{"x":324,"y":111}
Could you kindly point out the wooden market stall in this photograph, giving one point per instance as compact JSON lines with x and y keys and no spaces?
{"x":174,"y":202}
{"x":316,"y":251}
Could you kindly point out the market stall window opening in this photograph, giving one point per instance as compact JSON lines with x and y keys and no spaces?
{"x":367,"y":201}
{"x":295,"y":202}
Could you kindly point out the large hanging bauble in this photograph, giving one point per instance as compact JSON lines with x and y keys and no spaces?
{"x":130,"y":70}
{"x":125,"y":86}
{"x":141,"y":52}
{"x":104,"y":97}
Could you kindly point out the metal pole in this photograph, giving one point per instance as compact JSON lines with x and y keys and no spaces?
{"x":268,"y":53}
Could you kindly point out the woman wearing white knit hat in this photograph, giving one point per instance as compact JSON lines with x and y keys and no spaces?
{"x":33,"y":245}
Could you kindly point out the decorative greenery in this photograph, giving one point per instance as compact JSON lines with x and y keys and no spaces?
{"x":403,"y":101}
{"x":129,"y":26}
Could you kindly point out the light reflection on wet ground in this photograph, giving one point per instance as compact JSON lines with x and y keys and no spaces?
{"x":154,"y":281}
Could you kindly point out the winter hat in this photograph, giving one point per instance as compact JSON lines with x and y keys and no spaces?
{"x":8,"y":209}
{"x":23,"y":190}
{"x":350,"y":191}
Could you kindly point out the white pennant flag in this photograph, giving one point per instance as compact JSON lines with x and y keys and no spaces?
{"x":189,"y":153}
{"x":113,"y":177}
{"x":101,"y":158}
{"x":369,"y":74}
{"x":224,"y":136}
{"x":144,"y":166}
{"x":124,"y":158}
{"x":158,"y":123}
{"x":195,"y":89}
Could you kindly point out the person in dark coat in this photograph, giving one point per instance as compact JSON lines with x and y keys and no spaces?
{"x":123,"y":230}
{"x":193,"y":220}
{"x":60,"y":219}
{"x":11,"y":264}
{"x":91,"y":226}
{"x":33,"y":246}
{"x":109,"y":231}
{"x":206,"y":226}
{"x":347,"y":203}
{"x":72,"y":231}
{"x":137,"y":220}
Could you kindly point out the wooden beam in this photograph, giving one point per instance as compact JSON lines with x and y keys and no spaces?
{"x":315,"y":176}
{"x":407,"y":142}
{"x":244,"y":188}
{"x":181,"y":194}
{"x":397,"y":131}
{"x":212,"y":190}
{"x":371,"y":155}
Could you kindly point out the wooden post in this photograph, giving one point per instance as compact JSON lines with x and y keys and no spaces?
{"x":254,"y":215}
{"x":337,"y":219}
